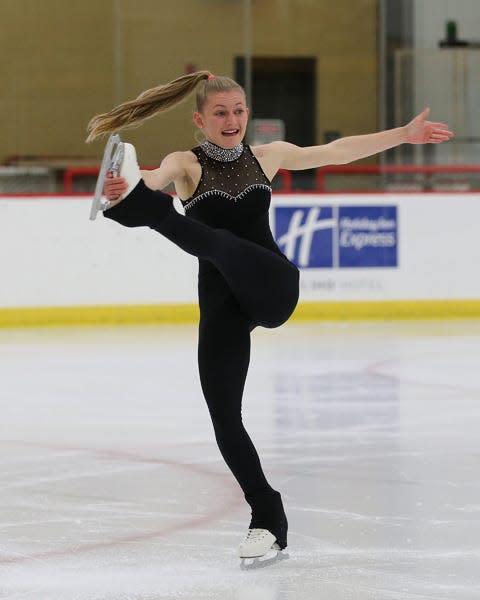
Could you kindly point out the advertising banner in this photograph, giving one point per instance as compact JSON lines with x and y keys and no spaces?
{"x":381,"y":246}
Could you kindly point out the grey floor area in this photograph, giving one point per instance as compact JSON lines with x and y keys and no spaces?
{"x":112,"y":487}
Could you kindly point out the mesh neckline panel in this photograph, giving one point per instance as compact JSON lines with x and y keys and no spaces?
{"x":227,"y":179}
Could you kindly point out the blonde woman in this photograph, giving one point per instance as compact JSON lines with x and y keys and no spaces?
{"x":244,"y":279}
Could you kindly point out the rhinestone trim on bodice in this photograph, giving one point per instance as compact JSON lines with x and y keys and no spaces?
{"x":226,"y":195}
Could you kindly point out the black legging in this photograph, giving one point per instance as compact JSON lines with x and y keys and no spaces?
{"x":248,"y":286}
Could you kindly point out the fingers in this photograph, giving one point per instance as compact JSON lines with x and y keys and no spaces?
{"x":439,"y":131}
{"x":114,"y":186}
{"x":421,"y":131}
{"x":437,"y":140}
{"x":437,"y":137}
{"x":118,"y":183}
{"x":443,"y":132}
{"x":438,"y":125}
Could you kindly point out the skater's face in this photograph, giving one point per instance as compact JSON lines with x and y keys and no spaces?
{"x":223,"y":118}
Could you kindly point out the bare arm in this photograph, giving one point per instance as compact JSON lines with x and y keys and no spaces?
{"x":348,"y":149}
{"x":343,"y":150}
{"x":171,"y":170}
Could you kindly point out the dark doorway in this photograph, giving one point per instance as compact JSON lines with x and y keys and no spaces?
{"x":284,"y":88}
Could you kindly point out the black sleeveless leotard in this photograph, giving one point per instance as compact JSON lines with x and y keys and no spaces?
{"x":244,"y":281}
{"x":235,"y":196}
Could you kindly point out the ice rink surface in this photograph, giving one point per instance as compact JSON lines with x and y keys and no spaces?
{"x":112,"y":487}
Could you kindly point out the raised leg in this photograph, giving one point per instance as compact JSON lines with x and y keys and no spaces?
{"x":264,"y":283}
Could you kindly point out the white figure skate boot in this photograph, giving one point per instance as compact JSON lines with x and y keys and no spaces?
{"x":121,"y":159}
{"x":259,"y":549}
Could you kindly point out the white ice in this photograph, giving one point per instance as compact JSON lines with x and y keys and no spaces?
{"x":112,"y":487}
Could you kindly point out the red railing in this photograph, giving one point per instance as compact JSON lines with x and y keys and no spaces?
{"x":323,"y":172}
{"x":434,"y":179}
{"x":71,"y":173}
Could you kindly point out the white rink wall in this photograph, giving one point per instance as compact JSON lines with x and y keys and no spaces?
{"x":53,"y":255}
{"x":419,"y":246}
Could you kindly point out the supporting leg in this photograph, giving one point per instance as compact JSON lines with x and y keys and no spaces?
{"x":224,"y":356}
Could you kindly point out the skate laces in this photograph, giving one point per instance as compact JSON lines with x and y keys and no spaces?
{"x":255,"y":535}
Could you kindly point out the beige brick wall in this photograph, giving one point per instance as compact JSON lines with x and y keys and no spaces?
{"x":60,"y":64}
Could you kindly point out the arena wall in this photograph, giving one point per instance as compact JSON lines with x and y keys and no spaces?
{"x":364,"y":256}
{"x":70,"y":60}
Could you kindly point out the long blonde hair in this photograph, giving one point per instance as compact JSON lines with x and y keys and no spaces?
{"x":160,"y":98}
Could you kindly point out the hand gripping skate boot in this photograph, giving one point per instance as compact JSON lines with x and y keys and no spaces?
{"x":120,"y":158}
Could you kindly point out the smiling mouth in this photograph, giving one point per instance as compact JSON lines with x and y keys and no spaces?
{"x":230,"y":132}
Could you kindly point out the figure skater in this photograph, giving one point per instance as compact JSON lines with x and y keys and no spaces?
{"x":244,"y":279}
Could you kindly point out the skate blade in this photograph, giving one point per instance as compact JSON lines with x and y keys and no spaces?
{"x":111,"y":160}
{"x":272,"y":557}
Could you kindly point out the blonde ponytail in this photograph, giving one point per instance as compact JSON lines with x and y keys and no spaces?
{"x":148,"y":104}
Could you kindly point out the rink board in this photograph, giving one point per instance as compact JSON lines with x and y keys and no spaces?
{"x":361,"y":256}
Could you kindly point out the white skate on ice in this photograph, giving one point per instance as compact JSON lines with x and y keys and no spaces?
{"x":259,"y":549}
{"x":121,"y":159}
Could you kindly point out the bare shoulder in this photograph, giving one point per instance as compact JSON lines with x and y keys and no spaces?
{"x":180,"y":159}
{"x":272,"y":156}
{"x":271,"y":149}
